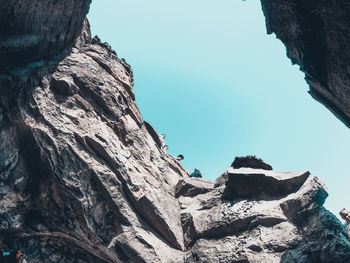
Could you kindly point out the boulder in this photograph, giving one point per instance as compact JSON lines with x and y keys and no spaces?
{"x":192,"y":187}
{"x":261,"y":184}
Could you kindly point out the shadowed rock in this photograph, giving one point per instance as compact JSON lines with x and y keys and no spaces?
{"x":260,"y":184}
{"x":34,"y":29}
{"x":250,"y":162}
{"x":316,"y":35}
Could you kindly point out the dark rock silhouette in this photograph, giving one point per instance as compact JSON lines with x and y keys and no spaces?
{"x":316,"y":35}
{"x":250,"y":162}
{"x":83,"y":178}
{"x":31,"y":30}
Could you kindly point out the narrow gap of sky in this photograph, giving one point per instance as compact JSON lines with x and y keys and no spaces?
{"x":208,"y":76}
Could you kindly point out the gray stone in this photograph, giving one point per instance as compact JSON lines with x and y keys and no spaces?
{"x":83,"y":179}
{"x":192,"y":187}
{"x":261,"y":184}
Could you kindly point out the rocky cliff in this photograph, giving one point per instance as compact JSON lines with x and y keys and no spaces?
{"x":316,"y":34}
{"x":31,"y":30}
{"x":83,"y":177}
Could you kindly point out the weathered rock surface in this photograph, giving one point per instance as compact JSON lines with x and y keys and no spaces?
{"x":192,"y":187}
{"x":317,"y":35}
{"x":269,"y":229}
{"x":261,"y":184}
{"x":31,"y":30}
{"x":83,"y":179}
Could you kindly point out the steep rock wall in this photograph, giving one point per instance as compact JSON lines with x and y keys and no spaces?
{"x":316,"y":34}
{"x":83,"y":179}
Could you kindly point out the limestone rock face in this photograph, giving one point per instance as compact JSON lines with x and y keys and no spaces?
{"x":83,"y":178}
{"x":317,"y":35}
{"x":35,"y":29}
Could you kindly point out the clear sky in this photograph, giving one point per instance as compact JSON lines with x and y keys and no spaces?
{"x":209,"y":77}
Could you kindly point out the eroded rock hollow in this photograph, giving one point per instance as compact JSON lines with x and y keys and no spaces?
{"x":83,"y":177}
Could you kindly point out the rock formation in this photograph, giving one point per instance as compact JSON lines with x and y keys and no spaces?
{"x":83,"y":177}
{"x":317,"y":35}
{"x":251,"y":162}
{"x":31,"y":30}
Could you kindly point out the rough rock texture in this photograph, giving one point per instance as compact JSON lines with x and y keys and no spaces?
{"x":83,"y":179}
{"x":288,"y":224}
{"x":78,"y":163}
{"x":261,"y":184}
{"x":35,"y":29}
{"x":317,"y":35}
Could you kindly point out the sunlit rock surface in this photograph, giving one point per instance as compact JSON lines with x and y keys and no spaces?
{"x":317,"y":36}
{"x":83,"y":179}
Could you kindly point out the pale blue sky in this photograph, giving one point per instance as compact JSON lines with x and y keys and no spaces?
{"x":208,"y":76}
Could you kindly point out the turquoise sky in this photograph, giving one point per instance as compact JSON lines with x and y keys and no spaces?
{"x":208,"y":76}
